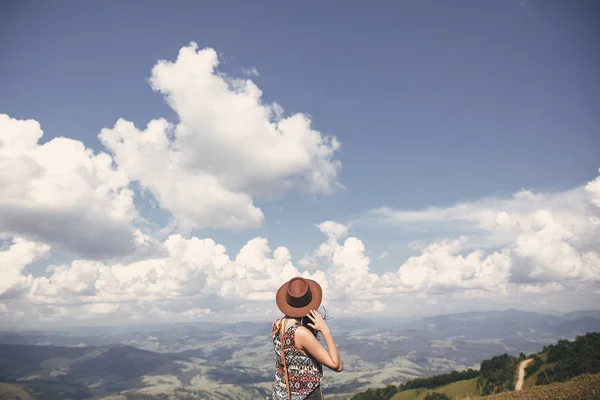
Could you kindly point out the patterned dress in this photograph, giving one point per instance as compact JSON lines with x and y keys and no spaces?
{"x":304,"y":372}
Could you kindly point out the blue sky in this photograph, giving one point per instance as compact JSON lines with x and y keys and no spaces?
{"x":434,"y":104}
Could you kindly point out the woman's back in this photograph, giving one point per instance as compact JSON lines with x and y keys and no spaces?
{"x":304,"y":372}
{"x":299,"y":355}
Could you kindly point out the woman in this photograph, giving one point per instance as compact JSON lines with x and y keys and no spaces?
{"x":299,"y":355}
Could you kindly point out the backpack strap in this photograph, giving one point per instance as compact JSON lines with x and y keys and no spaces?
{"x":285,"y":371}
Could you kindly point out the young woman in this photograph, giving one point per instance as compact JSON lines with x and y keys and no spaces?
{"x":299,"y":355}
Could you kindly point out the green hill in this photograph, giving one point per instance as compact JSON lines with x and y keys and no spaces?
{"x":564,"y":360}
{"x":555,"y":363}
{"x":457,"y":390}
{"x":418,"y":385}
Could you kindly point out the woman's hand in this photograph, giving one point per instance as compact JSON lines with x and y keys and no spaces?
{"x":318,"y":324}
{"x":309,"y":343}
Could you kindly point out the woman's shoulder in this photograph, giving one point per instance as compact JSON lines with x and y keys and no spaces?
{"x":301,"y":331}
{"x":275,"y":326}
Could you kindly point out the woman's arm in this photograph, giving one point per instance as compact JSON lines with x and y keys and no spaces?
{"x":308,"y":342}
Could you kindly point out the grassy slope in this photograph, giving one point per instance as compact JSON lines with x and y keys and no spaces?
{"x":464,"y":390}
{"x":457,"y":390}
{"x":583,"y":387}
{"x":530,"y":381}
{"x":11,"y":391}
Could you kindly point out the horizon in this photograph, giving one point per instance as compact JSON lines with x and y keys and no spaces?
{"x":411,"y":158}
{"x":149,"y":325}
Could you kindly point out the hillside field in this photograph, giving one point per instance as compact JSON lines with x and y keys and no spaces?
{"x":10,"y":391}
{"x":457,"y":390}
{"x":583,"y":387}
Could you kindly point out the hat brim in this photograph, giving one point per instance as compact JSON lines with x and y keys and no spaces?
{"x":284,"y":307}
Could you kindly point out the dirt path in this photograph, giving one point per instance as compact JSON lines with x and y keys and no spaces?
{"x":522,"y":367}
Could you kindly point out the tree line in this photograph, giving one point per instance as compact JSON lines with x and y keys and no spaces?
{"x":439,"y":380}
{"x":497,"y":374}
{"x":431,"y":382}
{"x":581,"y":356}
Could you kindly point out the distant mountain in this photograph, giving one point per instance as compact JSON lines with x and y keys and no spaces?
{"x":499,"y":323}
{"x":83,"y":365}
{"x":356,"y":325}
{"x":577,"y":326}
{"x":18,"y":361}
{"x":579,"y":314}
{"x":238,"y":357}
{"x":82,"y":373}
{"x":504,"y":324}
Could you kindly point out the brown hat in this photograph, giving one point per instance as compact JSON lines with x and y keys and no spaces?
{"x":298,"y":296}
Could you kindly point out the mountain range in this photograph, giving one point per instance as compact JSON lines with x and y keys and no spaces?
{"x":237,"y":360}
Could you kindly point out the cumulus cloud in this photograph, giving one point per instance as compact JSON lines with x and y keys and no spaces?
{"x":531,"y":238}
{"x":13,"y":260}
{"x":192,"y":268}
{"x":63,"y":194}
{"x":344,"y":265}
{"x":197,"y":278}
{"x":593,"y":190}
{"x":252,"y":71}
{"x":551,"y":246}
{"x":228,"y":147}
{"x":206,"y":169}
{"x":441,"y":268}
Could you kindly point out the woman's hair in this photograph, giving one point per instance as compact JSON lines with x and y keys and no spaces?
{"x":305,"y":321}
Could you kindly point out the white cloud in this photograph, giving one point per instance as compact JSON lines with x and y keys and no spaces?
{"x":63,"y":194}
{"x":196,"y":278}
{"x":189,"y":314}
{"x":193,"y":268}
{"x":440,"y":268}
{"x":593,"y":190}
{"x":344,"y":267}
{"x":13,"y":260}
{"x":551,"y":247}
{"x":504,"y":217}
{"x":100,"y":308}
{"x":252,"y":71}
{"x":530,"y":239}
{"x":385,"y":254}
{"x":333,"y":230}
{"x":552,"y":252}
{"x":227,"y":149}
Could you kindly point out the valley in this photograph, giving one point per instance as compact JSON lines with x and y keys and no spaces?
{"x":214,"y":360}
